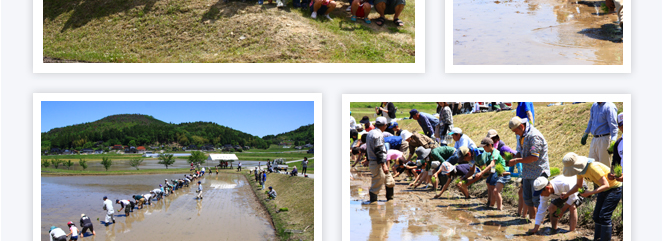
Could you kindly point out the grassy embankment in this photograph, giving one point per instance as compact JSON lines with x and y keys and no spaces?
{"x":201,"y":31}
{"x":294,"y":193}
{"x":562,"y":126}
{"x":65,"y":172}
{"x":361,"y":109}
{"x":288,"y":156}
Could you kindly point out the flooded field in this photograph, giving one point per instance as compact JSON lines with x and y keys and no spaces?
{"x":414,"y":215}
{"x":229,"y":210}
{"x":535,"y":32}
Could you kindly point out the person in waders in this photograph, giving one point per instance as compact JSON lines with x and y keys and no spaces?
{"x":377,"y":159}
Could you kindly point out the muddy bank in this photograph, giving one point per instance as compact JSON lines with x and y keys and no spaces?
{"x":535,"y":32}
{"x":413,"y":214}
{"x":229,"y":210}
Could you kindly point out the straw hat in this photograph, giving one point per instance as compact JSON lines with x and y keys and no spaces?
{"x":573,"y":164}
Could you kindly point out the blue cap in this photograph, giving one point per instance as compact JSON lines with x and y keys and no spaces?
{"x":52,"y":227}
{"x":198,"y":182}
{"x":394,"y":124}
{"x":105,"y":197}
{"x":413,"y":112}
{"x":270,"y":187}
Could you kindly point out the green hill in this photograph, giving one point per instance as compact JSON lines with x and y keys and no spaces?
{"x":143,"y":130}
{"x":183,"y":31}
{"x":300,"y":136}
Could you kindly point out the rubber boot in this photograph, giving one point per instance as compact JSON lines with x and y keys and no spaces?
{"x":390,"y":193}
{"x":597,"y":231}
{"x":374,"y":197}
{"x":606,"y":232}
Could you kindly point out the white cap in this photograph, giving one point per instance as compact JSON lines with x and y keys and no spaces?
{"x":456,"y":130}
{"x":620,"y":119}
{"x":540,"y":183}
{"x":380,"y":121}
{"x":405,"y":135}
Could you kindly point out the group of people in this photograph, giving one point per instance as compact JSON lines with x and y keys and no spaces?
{"x":358,"y":8}
{"x":128,"y":205}
{"x":382,"y":147}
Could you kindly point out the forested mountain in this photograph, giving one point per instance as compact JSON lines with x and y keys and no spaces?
{"x":145,"y":130}
{"x":300,"y":136}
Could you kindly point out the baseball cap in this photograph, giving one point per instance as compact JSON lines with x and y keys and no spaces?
{"x":105,"y":197}
{"x":117,"y":200}
{"x":539,"y":184}
{"x":515,"y":122}
{"x":463,"y":151}
{"x":380,"y":121}
{"x":394,"y":124}
{"x":365,"y":120}
{"x":491,"y":133}
{"x":486,"y":141}
{"x":413,"y":112}
{"x":422,"y":152}
{"x":620,"y":119}
{"x":456,"y":130}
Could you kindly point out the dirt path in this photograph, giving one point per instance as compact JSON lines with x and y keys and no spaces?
{"x":413,"y":214}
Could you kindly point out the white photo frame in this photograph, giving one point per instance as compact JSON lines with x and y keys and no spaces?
{"x":38,"y":65}
{"x":451,"y":68}
{"x":38,"y":98}
{"x":349,"y":98}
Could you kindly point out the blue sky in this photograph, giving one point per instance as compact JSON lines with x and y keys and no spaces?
{"x":257,"y":118}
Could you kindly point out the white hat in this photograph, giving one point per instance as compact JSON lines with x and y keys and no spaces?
{"x":447,"y":167}
{"x":380,"y":121}
{"x":456,"y":130}
{"x":539,"y":184}
{"x":405,"y":135}
{"x":434,"y":164}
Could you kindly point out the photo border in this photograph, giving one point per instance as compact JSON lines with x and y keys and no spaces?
{"x":38,"y":65}
{"x":37,"y":98}
{"x":348,"y":98}
{"x":450,"y":68}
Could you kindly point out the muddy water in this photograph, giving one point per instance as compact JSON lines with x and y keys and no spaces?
{"x":229,"y":210}
{"x":535,"y":32}
{"x":414,"y":215}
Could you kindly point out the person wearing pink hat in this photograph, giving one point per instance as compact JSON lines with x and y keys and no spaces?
{"x":73,"y":231}
{"x":609,"y":191}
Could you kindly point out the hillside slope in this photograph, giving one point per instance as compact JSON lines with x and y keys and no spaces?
{"x":199,"y":31}
{"x":300,"y":136}
{"x":562,"y":126}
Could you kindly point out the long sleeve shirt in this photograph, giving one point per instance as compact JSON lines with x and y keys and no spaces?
{"x":561,"y":184}
{"x":603,"y":120}
{"x":417,"y":140}
{"x":446,"y":117}
{"x":465,"y":141}
{"x":442,"y":153}
{"x":353,"y":123}
{"x":523,"y":108}
{"x":108,"y":206}
{"x":427,"y":123}
{"x":200,"y":187}
{"x":391,"y":112}
{"x":375,"y":149}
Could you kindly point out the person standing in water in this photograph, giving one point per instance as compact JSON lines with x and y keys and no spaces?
{"x":200,"y":190}
{"x":108,"y":206}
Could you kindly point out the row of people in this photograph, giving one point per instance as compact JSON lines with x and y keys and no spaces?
{"x":438,"y":163}
{"x":128,"y":205}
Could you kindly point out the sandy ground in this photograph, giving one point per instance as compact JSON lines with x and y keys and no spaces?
{"x":228,"y":211}
{"x":413,"y":214}
{"x":535,"y":32}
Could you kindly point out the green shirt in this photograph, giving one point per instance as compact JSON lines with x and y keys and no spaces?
{"x":442,"y":153}
{"x":495,"y":155}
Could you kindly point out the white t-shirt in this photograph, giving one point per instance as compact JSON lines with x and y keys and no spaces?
{"x":74,"y":231}
{"x":157,"y":190}
{"x":353,"y":123}
{"x":203,"y":169}
{"x":109,"y":206}
{"x":147,"y":196}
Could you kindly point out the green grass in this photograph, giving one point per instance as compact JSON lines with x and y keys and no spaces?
{"x":183,"y":31}
{"x":309,"y":167}
{"x":294,"y":193}
{"x":65,"y":172}
{"x":92,"y":157}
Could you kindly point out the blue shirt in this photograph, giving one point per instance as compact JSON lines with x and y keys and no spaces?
{"x":427,"y":123}
{"x":603,"y":120}
{"x":465,"y":141}
{"x":394,"y":141}
{"x":523,"y":108}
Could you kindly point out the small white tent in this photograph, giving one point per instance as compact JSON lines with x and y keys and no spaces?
{"x":222,"y":157}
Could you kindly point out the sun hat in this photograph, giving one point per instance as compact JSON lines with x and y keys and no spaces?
{"x":539,"y":184}
{"x":422,"y":152}
{"x":486,"y":141}
{"x":405,"y":135}
{"x":380,"y":121}
{"x":413,"y":112}
{"x":515,"y":122}
{"x":446,"y":167}
{"x":463,"y":151}
{"x":491,"y":133}
{"x":456,"y":130}
{"x":620,"y":119}
{"x":573,"y":164}
{"x":434,"y":164}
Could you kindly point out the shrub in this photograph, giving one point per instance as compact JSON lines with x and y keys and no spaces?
{"x":68,"y":164}
{"x":83,"y":163}
{"x":45,"y":163}
{"x":106,"y":162}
